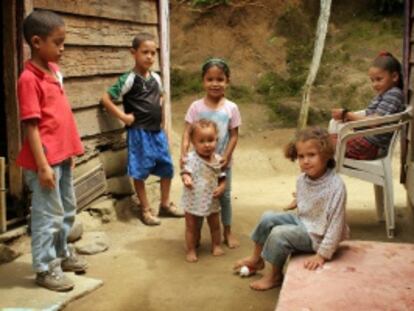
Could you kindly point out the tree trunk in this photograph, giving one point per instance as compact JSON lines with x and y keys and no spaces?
{"x":321,"y":30}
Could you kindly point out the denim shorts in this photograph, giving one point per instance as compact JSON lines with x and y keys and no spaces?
{"x":148,"y":154}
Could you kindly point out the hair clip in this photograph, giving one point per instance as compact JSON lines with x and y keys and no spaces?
{"x":384,"y":53}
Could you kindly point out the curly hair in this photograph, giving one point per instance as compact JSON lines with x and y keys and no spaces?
{"x":321,"y":136}
{"x":202,"y":123}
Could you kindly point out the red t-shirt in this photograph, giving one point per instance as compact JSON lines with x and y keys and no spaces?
{"x":42,"y":97}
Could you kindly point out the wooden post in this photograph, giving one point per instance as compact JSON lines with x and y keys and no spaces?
{"x":10,"y":76}
{"x":164,"y":17}
{"x":3,"y":211}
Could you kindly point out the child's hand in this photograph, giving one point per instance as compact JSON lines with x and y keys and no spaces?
{"x":46,"y":177}
{"x":128,"y":119}
{"x":293,"y":204}
{"x":224,"y":162}
{"x":218,"y":192}
{"x":314,"y":262}
{"x":337,"y":113}
{"x":187,"y":181}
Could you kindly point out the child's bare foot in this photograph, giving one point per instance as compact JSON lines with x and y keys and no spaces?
{"x":231,"y":241}
{"x":268,"y":281}
{"x":217,"y":251}
{"x":191,"y":256}
{"x":251,"y":262}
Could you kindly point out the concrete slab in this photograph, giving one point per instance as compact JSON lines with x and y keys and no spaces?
{"x":362,"y":276}
{"x":18,"y":290}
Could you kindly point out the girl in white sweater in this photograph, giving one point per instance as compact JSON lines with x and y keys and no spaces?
{"x":319,"y":224}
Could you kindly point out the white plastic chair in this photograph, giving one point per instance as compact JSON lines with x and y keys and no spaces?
{"x":378,"y":171}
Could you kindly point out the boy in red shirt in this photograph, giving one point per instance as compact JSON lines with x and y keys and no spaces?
{"x":51,"y":141}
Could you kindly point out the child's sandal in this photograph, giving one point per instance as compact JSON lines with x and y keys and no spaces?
{"x":171,"y":210}
{"x":150,"y":220}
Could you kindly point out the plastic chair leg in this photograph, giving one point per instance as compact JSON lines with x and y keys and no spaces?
{"x":389,"y":201}
{"x":379,"y":201}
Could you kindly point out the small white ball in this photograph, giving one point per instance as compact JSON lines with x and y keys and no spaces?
{"x":244,"y":271}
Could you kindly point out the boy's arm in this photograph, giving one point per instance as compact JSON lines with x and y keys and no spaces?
{"x":110,"y":106}
{"x":234,"y":136}
{"x":45,"y":172}
{"x":185,"y":143}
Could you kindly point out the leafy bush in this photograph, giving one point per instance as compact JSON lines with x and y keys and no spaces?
{"x":183,"y":83}
{"x":240,"y":93}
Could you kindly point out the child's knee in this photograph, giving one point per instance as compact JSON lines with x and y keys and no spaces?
{"x":267,"y":218}
{"x":280,"y":235}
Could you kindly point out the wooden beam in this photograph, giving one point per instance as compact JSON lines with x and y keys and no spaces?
{"x":3,"y":210}
{"x":142,"y":11}
{"x":10,"y":76}
{"x":164,"y":17}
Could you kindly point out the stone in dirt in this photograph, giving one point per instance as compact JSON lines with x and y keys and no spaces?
{"x":7,"y":254}
{"x":89,"y":222}
{"x":120,"y":185}
{"x":104,"y":209}
{"x":76,"y":231}
{"x":92,"y":243}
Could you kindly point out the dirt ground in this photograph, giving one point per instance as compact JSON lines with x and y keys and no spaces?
{"x":145,"y":269}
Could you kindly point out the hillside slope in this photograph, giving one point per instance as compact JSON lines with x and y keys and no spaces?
{"x":269,"y":45}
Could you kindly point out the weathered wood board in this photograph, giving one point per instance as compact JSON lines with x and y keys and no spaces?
{"x":96,"y":120}
{"x":142,"y":11}
{"x":81,"y":30}
{"x":91,"y":61}
{"x":88,"y":91}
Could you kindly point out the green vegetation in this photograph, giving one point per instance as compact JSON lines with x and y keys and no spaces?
{"x":188,"y":83}
{"x":342,"y":79}
{"x":184,"y":83}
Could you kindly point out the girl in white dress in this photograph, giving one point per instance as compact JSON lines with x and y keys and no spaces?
{"x":204,"y":183}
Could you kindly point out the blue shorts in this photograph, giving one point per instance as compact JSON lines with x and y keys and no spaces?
{"x":148,"y":153}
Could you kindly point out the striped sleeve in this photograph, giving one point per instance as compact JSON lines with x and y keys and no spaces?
{"x":391,"y":102}
{"x":122,"y":85}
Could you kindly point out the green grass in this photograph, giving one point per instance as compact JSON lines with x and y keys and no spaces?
{"x":185,"y":83}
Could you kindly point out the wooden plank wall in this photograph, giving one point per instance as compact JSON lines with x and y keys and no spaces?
{"x":407,"y":150}
{"x":98,"y":38}
{"x":9,"y":76}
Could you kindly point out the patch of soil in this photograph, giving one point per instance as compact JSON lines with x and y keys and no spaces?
{"x":241,"y":33}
